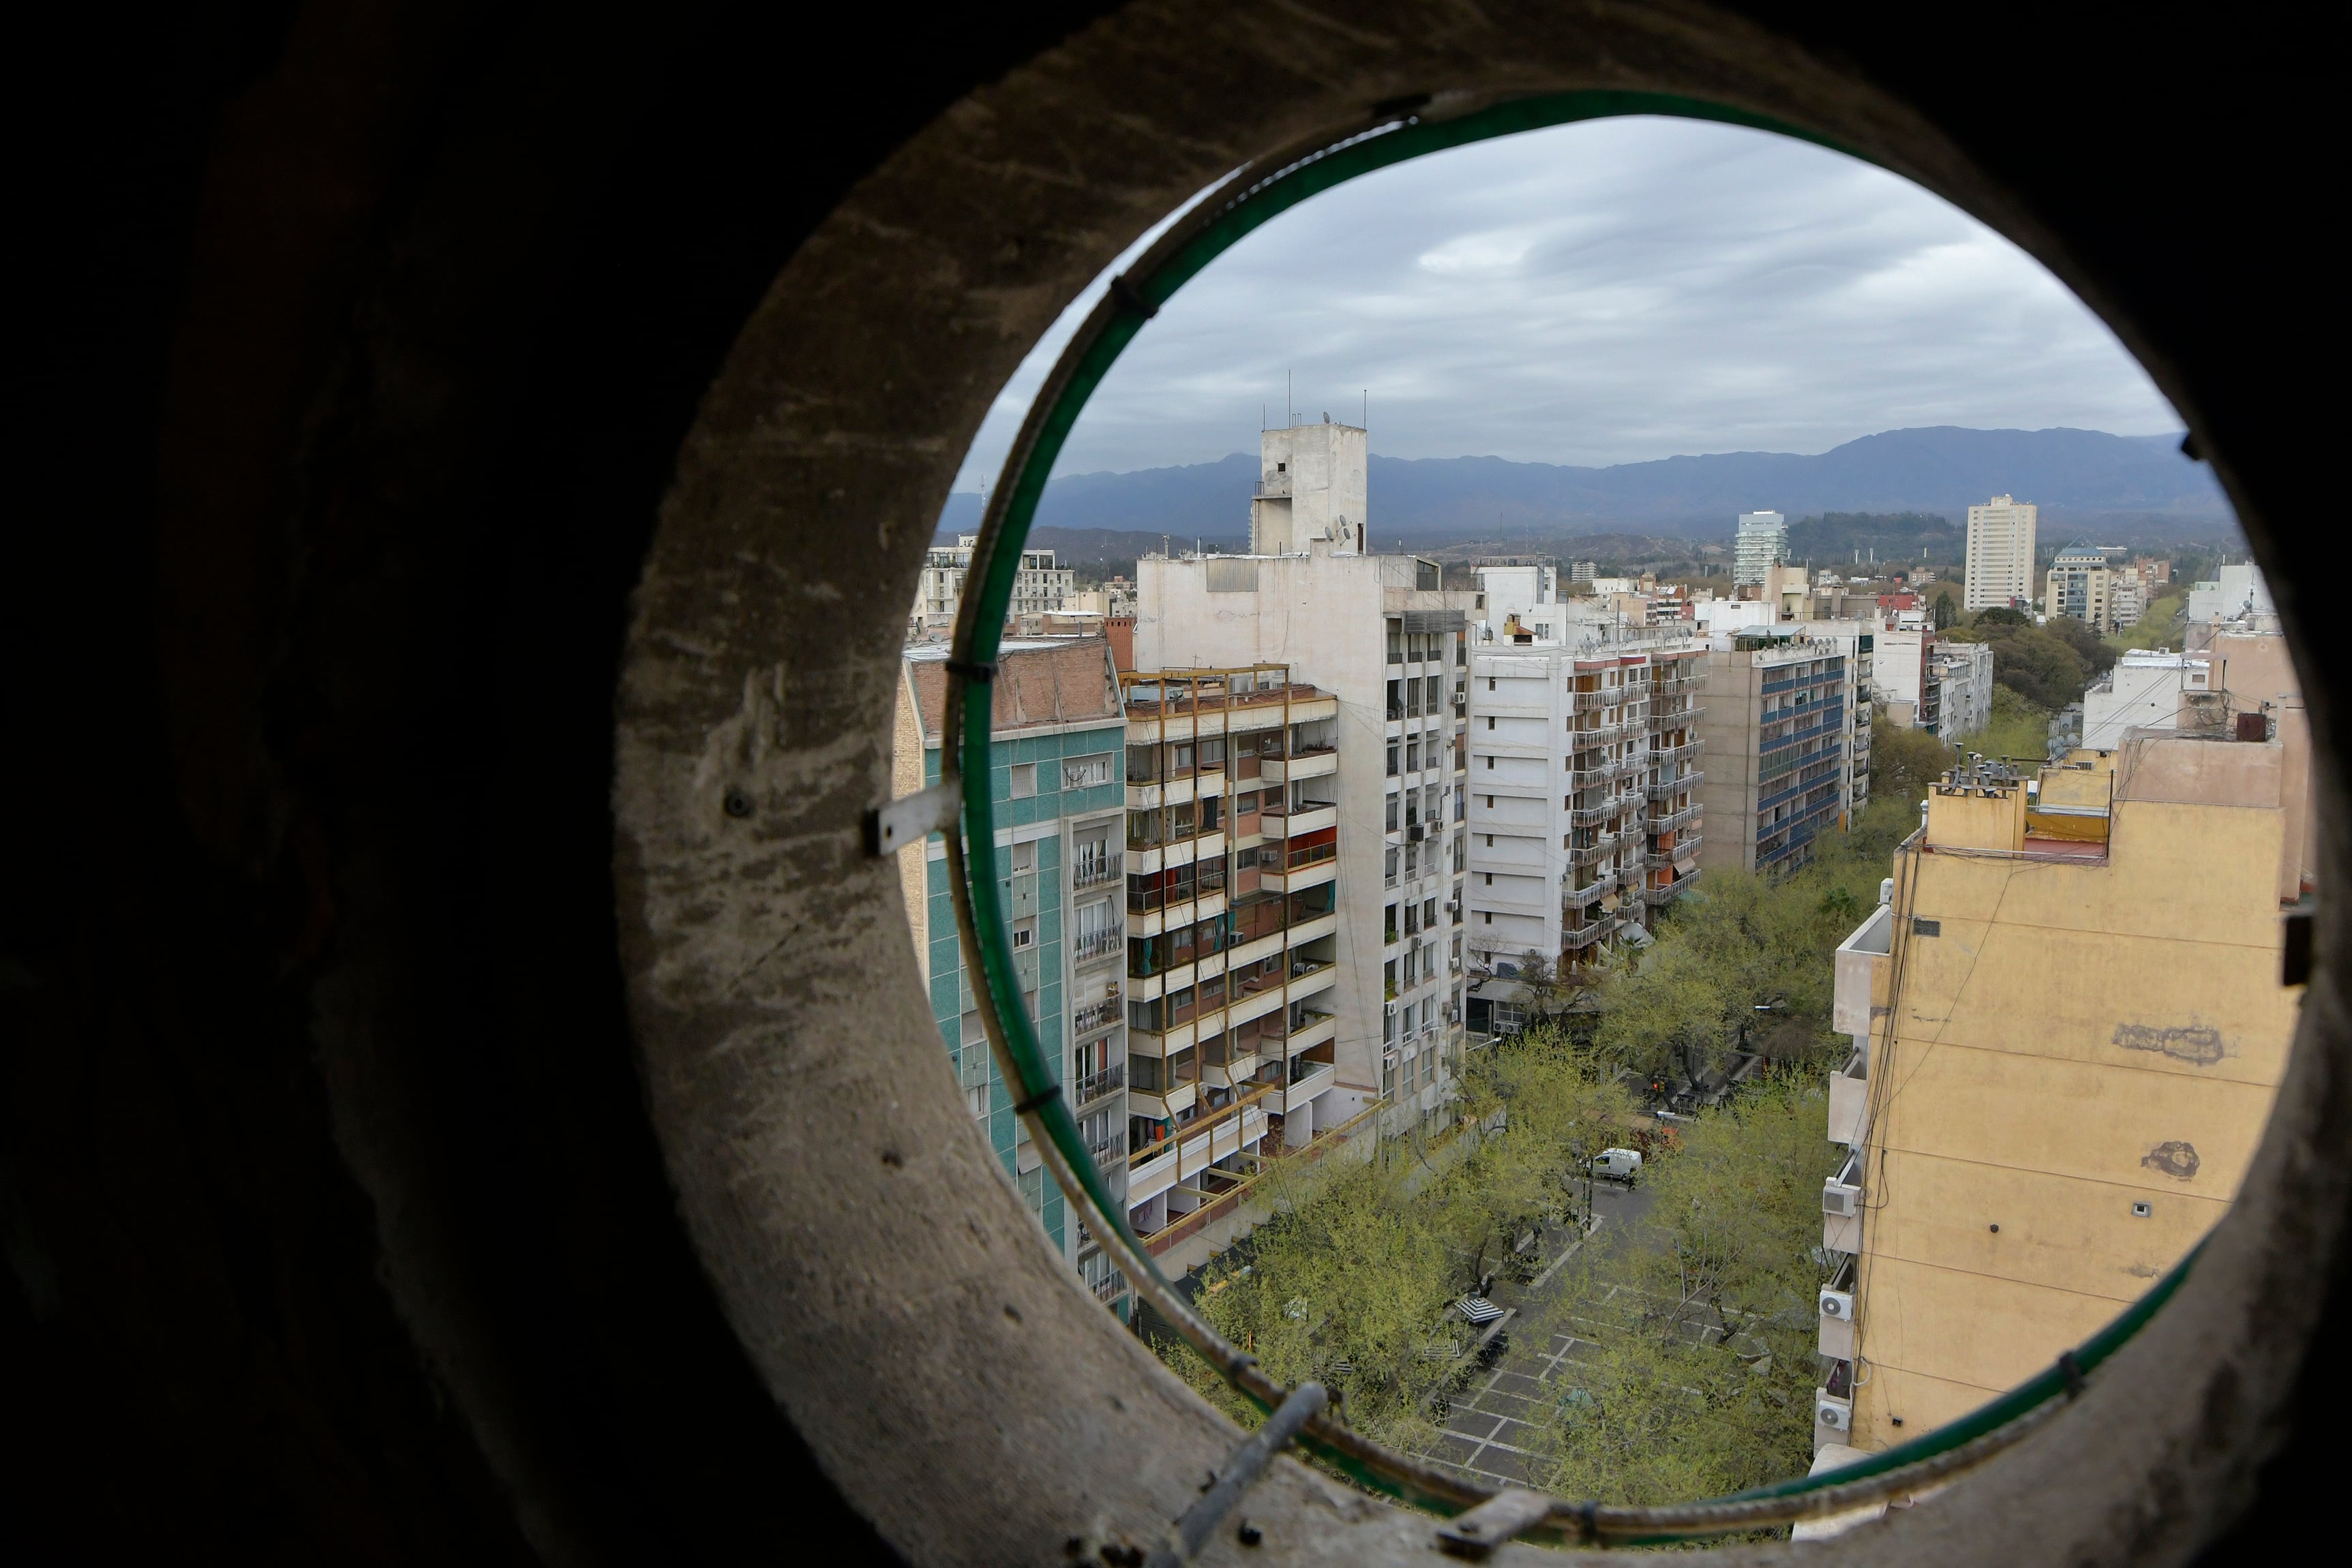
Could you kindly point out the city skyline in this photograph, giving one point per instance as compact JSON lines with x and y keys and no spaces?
{"x":1613,"y":291}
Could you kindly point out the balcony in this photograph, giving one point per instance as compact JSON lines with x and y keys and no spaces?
{"x":1572,"y":897}
{"x":1098,"y":945}
{"x":1676,"y":718}
{"x":1667,"y":756}
{"x":1597,"y":777}
{"x":1313,"y":762}
{"x":1097,"y":871}
{"x":1593,"y":702}
{"x":1586,"y":854}
{"x":1305,"y":1085}
{"x":1096,"y":1016}
{"x":1674,"y":820}
{"x":1575,"y":939}
{"x":1598,"y":735}
{"x":1308,"y":868}
{"x":1096,"y":1085}
{"x":1667,"y":894}
{"x":1859,"y":994}
{"x":1594,"y":816}
{"x":1666,"y":789}
{"x":1110,"y":1286}
{"x":1850,"y":1100}
{"x":1311,"y":816}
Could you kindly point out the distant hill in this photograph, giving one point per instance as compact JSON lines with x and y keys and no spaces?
{"x":2080,"y":478}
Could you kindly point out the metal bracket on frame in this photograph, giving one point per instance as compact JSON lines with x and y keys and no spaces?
{"x":912,"y":818}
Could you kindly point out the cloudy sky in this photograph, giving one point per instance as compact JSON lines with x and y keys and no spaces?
{"x":1606,"y":292}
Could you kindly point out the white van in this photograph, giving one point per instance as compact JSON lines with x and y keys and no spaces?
{"x":1617,"y":1165}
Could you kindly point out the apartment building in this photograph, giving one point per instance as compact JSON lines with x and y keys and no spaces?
{"x":1057,"y":738}
{"x":2002,"y":541}
{"x":2085,"y":581}
{"x":1378,"y":634}
{"x":2142,"y":690}
{"x":1232,"y":935}
{"x":1583,"y":811}
{"x":2235,"y":593}
{"x":1904,"y":678}
{"x":2062,"y":1064}
{"x":1760,"y":544}
{"x":1040,"y":588}
{"x":1961,"y":673}
{"x":1780,"y":723}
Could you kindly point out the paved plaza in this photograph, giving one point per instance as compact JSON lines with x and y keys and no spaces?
{"x":1486,"y":1431}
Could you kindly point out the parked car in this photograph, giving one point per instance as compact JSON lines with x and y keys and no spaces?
{"x":1618,"y":1165}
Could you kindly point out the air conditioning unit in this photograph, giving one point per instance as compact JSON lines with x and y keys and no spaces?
{"x":1838,"y":1199}
{"x":1834,"y":1414}
{"x":1838,"y":1304}
{"x":1415,"y":832}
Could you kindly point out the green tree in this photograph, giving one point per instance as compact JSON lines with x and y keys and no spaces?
{"x":1903,"y":763}
{"x":1349,"y":1278}
{"x":1947,"y":612}
{"x":1701,"y":1381}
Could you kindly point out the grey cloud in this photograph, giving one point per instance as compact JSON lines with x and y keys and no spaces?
{"x":1602,"y":293}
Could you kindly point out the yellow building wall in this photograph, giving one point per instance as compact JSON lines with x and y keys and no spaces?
{"x":2052,"y":1056}
{"x":907,"y":767}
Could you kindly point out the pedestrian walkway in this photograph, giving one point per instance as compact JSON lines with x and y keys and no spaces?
{"x":1488,"y":1431}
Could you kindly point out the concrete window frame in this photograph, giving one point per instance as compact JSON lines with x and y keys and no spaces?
{"x":848,"y":398}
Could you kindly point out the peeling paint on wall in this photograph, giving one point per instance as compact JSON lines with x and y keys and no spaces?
{"x":2197,"y":1043}
{"x":2175,"y":1159}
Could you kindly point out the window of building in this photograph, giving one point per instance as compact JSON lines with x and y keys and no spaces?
{"x":1024,"y":779}
{"x":1025,"y":933}
{"x":1392,"y":814}
{"x":1392,"y":759}
{"x":1490,"y":767}
{"x":1086,"y":773}
{"x":976,"y":1102}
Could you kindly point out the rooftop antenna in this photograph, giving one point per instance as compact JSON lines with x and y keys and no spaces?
{"x":1289,"y":414}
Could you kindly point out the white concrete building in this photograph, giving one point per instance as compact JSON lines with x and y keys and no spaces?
{"x":1901,"y":680}
{"x":1311,"y":485}
{"x":1962,"y":672}
{"x":2236,"y":591}
{"x":2142,"y":691}
{"x":1583,"y":812}
{"x":1040,"y":588}
{"x":1762,"y":542}
{"x":1378,"y":633}
{"x":2002,"y":540}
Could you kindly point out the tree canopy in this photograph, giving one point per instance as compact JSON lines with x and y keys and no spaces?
{"x":2049,"y":666}
{"x":1696,"y":1373}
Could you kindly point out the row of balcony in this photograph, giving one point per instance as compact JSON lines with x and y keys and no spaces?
{"x":1666,"y":789}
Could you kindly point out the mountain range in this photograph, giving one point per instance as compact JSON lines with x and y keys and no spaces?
{"x":2085,"y":480}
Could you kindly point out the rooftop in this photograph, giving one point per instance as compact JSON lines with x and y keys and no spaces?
{"x":1039,"y":681}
